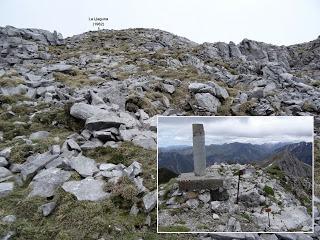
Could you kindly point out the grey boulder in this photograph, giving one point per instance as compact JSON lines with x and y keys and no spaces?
{"x":201,"y":88}
{"x":9,"y":219}
{"x":47,"y":208}
{"x":47,"y":181}
{"x":207,"y":102}
{"x":6,"y":188}
{"x":84,"y":166}
{"x":4,"y":172}
{"x":29,"y":168}
{"x":83,"y":111}
{"x":150,"y":201}
{"x":103,"y":121}
{"x":86,"y":189}
{"x":73,"y":145}
{"x":5,"y":152}
{"x":39,"y":135}
{"x":3,"y":162}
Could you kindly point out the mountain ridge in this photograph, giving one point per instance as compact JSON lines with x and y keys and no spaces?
{"x":229,"y":153}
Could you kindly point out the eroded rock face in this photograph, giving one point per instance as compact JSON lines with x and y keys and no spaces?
{"x":22,"y":44}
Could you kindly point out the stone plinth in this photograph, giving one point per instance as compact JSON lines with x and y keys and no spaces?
{"x":199,"y":150}
{"x":191,"y":182}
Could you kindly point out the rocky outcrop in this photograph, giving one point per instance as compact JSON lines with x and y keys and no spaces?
{"x":17,"y":45}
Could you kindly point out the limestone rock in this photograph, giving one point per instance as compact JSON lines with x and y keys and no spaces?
{"x":138,"y":182}
{"x":47,"y":208}
{"x":84,"y":166}
{"x":201,"y":88}
{"x":192,"y":203}
{"x":3,"y":162}
{"x":47,"y":181}
{"x":250,"y":198}
{"x":5,"y":152}
{"x":60,"y":67}
{"x":134,"y":210}
{"x":100,"y":121}
{"x":150,"y":201}
{"x":86,"y":189}
{"x":204,"y":197}
{"x":83,"y":111}
{"x":207,"y":102}
{"x":220,"y":92}
{"x":6,"y":188}
{"x":152,"y":123}
{"x":4,"y":172}
{"x":39,"y":135}
{"x":107,"y":166}
{"x":134,"y":169}
{"x":9,"y":219}
{"x":73,"y":145}
{"x":29,"y":168}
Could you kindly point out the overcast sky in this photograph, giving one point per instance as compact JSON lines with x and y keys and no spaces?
{"x":281,"y":22}
{"x":219,"y":130}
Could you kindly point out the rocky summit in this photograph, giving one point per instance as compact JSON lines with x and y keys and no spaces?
{"x":219,"y":210}
{"x":78,"y":127}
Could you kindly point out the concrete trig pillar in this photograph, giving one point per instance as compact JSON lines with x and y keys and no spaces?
{"x":199,"y":150}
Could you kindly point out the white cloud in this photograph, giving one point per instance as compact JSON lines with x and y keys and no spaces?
{"x":218,"y":130}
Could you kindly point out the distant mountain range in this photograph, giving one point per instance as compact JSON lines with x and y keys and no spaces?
{"x":286,"y":161}
{"x":180,"y":159}
{"x":302,"y":150}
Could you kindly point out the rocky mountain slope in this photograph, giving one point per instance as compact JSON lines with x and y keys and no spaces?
{"x":302,"y":151}
{"x":78,"y":121}
{"x":289,"y":164}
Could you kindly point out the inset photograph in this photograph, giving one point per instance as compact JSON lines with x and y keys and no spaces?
{"x":235,"y":174}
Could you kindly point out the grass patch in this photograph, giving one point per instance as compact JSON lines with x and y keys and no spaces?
{"x":12,"y":99}
{"x":246,"y":107}
{"x":71,"y":219}
{"x":174,"y":228}
{"x":124,"y":193}
{"x":56,"y":120}
{"x":202,"y":226}
{"x":246,"y":216}
{"x":276,"y":172}
{"x":135,"y":102}
{"x":74,"y":79}
{"x":224,"y":109}
{"x":268,"y":190}
{"x":10,"y":81}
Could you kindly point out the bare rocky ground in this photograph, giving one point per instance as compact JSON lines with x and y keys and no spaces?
{"x":217,"y":211}
{"x":78,"y":121}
